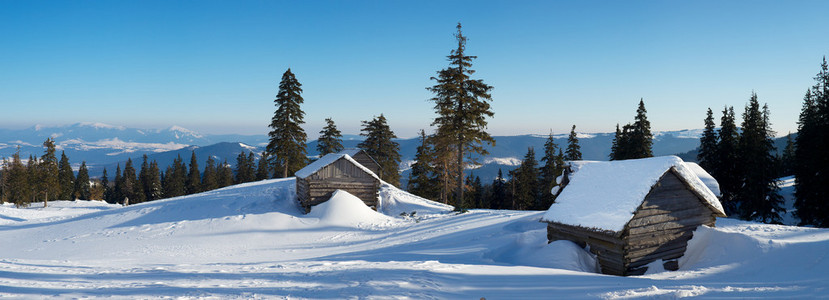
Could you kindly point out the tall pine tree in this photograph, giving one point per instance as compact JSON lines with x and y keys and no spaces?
{"x":421,"y":178}
{"x":812,"y":163}
{"x":573,"y":149}
{"x":462,"y":105}
{"x":286,"y":148}
{"x":193,"y":183}
{"x":48,"y":182}
{"x":380,"y":145}
{"x":210,"y":178}
{"x":707,"y":156}
{"x":758,"y":197}
{"x":330,"y":140}
{"x":549,"y":172}
{"x":82,"y":186}
{"x":66,"y":178}
{"x":727,"y":168}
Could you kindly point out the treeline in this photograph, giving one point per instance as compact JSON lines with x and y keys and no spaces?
{"x":43,"y":179}
{"x":527,"y":187}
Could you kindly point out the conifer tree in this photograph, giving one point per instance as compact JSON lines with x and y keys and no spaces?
{"x":615,"y":150}
{"x":707,"y":156}
{"x":244,"y":168}
{"x":250,"y":171}
{"x":549,"y":172}
{"x":462,"y":105}
{"x":380,"y":145}
{"x":175,"y":179}
{"x":107,"y":190}
{"x":48,"y":182}
{"x":66,"y":178}
{"x":143,"y":179}
{"x":330,"y":140}
{"x":118,"y":189}
{"x":573,"y":149}
{"x":155,"y":189}
{"x":526,"y":183}
{"x":499,"y":193}
{"x":262,"y":171}
{"x":727,"y":168}
{"x":225,"y":175}
{"x":641,"y":139}
{"x":812,"y":164}
{"x":444,"y":164}
{"x":18,"y":182}
{"x":787,"y":159}
{"x":130,"y":187}
{"x":193,"y":182}
{"x":421,"y":179}
{"x":286,"y":148}
{"x":82,"y":187}
{"x":758,"y":197}
{"x":210,"y":178}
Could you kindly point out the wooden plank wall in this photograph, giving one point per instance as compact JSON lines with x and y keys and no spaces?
{"x":659,"y":229}
{"x":364,"y":159}
{"x":663,"y":224}
{"x":342,"y":175}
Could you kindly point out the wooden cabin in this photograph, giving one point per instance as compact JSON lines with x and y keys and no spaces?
{"x":362,"y":157}
{"x":336,"y":171}
{"x":632,"y":212}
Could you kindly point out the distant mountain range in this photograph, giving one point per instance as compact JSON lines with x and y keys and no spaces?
{"x":105,"y":146}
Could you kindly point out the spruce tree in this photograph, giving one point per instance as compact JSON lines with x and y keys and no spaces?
{"x":225,"y":175}
{"x":175,"y":179}
{"x":118,"y":189}
{"x":210,"y":178}
{"x":812,"y":163}
{"x":107,"y":191}
{"x":19,"y":190}
{"x":155,"y":189}
{"x":573,"y":149}
{"x":707,"y":156}
{"x":549,"y":172}
{"x":615,"y":150}
{"x":130,"y":187}
{"x":641,"y":139}
{"x":143,"y":179}
{"x":380,"y":145}
{"x":286,"y":148}
{"x":499,"y":193}
{"x":48,"y":181}
{"x":82,"y":187}
{"x":421,"y":179}
{"x":262,"y":170}
{"x":66,"y":178}
{"x":244,"y":168}
{"x":193,"y":182}
{"x":527,"y":190}
{"x":787,"y":159}
{"x":462,"y":105}
{"x":330,"y":140}
{"x":727,"y":168}
{"x":758,"y":198}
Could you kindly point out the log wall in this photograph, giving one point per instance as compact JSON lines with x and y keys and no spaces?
{"x":343,"y":175}
{"x":660,"y":229}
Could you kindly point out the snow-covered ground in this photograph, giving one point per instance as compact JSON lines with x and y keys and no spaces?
{"x":251,"y":241}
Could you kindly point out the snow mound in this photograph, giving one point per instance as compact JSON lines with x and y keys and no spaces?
{"x":344,"y":209}
{"x":394,"y":201}
{"x":569,"y":256}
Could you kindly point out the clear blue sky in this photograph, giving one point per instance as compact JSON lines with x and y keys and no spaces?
{"x":214,"y":66}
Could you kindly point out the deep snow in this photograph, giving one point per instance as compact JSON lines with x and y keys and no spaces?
{"x":251,"y":241}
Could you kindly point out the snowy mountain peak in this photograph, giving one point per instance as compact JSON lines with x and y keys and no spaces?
{"x":98,"y":125}
{"x":181,"y":131}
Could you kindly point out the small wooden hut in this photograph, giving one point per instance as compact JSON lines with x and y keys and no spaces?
{"x":336,"y":171}
{"x":632,"y":212}
{"x":362,"y":157}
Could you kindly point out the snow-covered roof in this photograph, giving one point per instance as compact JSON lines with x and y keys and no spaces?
{"x":350,"y":151}
{"x":706,"y":178}
{"x":327,"y":160}
{"x":605,"y":194}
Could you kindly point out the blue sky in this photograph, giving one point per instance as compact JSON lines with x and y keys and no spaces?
{"x":214,"y":66}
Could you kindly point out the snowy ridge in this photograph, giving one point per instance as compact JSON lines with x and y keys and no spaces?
{"x":604,"y":195}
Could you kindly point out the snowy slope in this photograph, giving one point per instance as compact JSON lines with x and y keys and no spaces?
{"x":251,"y":241}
